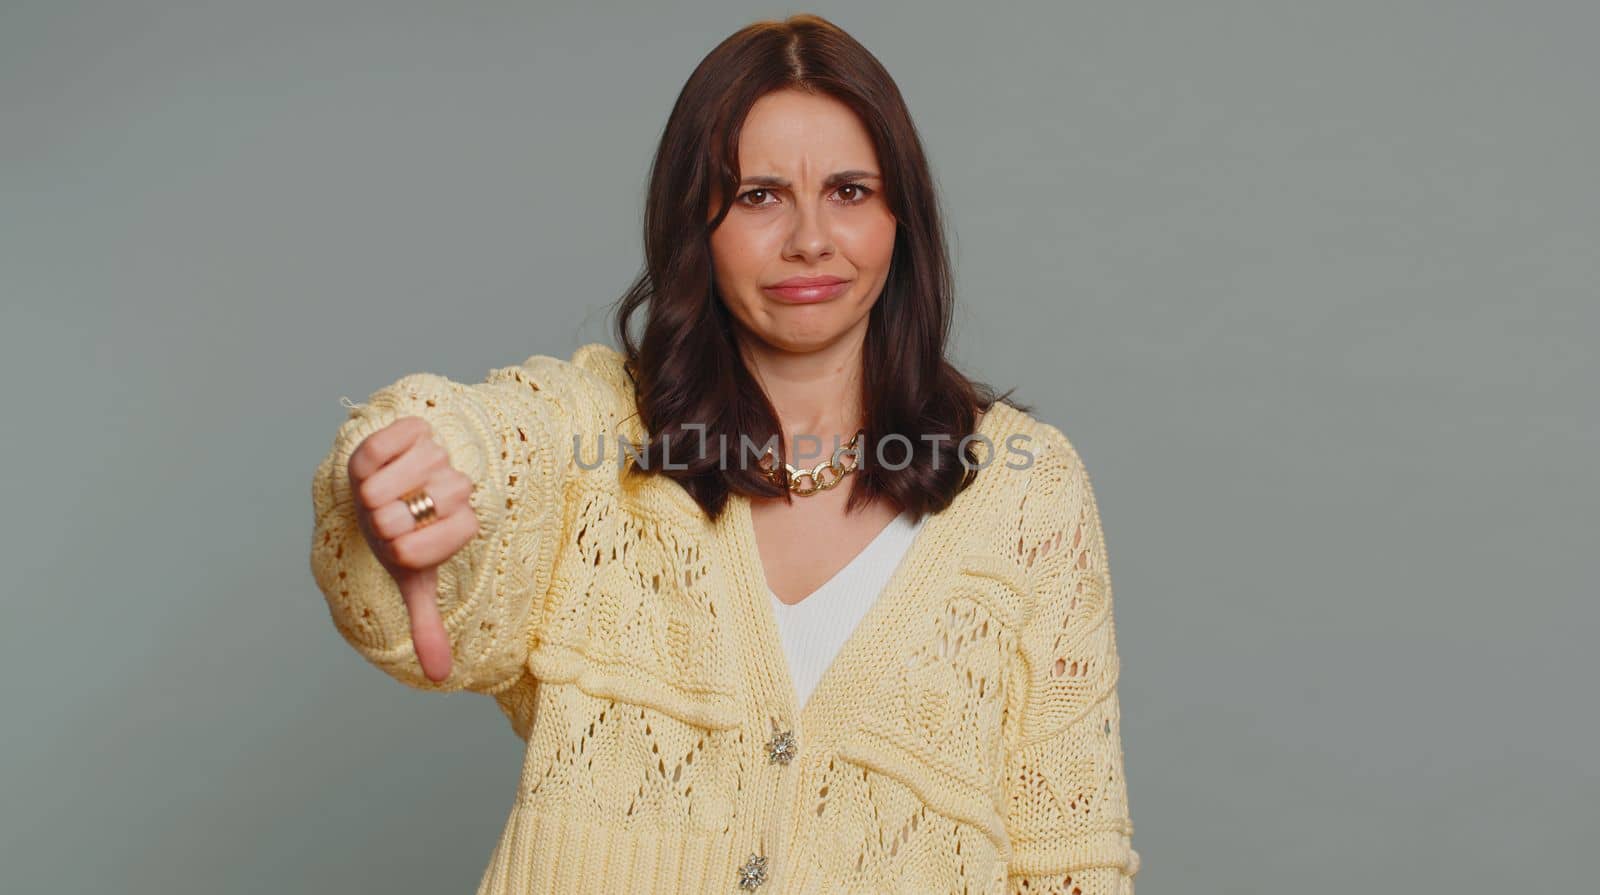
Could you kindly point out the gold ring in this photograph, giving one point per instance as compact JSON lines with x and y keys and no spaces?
{"x":421,"y":506}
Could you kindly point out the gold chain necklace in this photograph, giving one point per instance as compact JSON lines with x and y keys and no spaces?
{"x":821,"y":477}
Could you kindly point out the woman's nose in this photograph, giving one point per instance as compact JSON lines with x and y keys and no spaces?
{"x":811,"y":235}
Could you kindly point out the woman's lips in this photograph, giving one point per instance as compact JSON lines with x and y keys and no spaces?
{"x":807,"y":294}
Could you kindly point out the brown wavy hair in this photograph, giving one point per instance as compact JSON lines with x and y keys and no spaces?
{"x":686,"y":365}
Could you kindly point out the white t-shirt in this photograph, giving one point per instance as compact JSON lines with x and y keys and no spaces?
{"x":814,"y":629}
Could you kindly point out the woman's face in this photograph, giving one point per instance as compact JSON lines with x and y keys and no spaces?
{"x":810,"y":204}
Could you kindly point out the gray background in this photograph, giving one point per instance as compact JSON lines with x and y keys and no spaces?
{"x":1312,"y":287}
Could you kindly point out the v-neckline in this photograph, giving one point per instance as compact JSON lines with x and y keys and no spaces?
{"x":875,"y":543}
{"x":771,"y":638}
{"x":802,"y":713}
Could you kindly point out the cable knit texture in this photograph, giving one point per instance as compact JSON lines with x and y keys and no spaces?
{"x":965,"y":739}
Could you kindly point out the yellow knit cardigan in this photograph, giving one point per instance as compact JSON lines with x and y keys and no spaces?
{"x":965,"y":739}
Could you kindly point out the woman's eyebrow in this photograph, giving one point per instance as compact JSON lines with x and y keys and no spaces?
{"x":833,"y":180}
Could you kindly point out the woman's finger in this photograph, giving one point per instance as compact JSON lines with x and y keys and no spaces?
{"x":401,"y":474}
{"x":382,"y":446}
{"x":450,"y":491}
{"x":421,"y":592}
{"x":434,"y":543}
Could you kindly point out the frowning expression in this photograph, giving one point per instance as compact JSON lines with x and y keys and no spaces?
{"x":804,"y":252}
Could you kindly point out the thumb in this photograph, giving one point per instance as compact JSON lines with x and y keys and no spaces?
{"x":420,"y":590}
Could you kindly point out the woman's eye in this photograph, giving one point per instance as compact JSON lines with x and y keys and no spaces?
{"x":860,"y":192}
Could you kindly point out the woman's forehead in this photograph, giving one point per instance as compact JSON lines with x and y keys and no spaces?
{"x":804,"y":133}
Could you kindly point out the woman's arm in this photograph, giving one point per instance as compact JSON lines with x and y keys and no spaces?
{"x":1068,"y":801}
{"x":512,"y":434}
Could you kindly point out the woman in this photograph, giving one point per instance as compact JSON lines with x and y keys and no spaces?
{"x":630,"y":612}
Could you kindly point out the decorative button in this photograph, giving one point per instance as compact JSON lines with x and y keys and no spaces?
{"x":754,"y":872}
{"x":782,"y":747}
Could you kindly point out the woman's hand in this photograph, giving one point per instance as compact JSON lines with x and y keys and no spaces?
{"x":389,"y":464}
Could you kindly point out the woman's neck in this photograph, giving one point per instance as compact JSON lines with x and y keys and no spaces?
{"x":815,"y":393}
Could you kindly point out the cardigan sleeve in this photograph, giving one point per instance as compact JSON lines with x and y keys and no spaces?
{"x":1067,"y":801}
{"x":513,"y":435}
